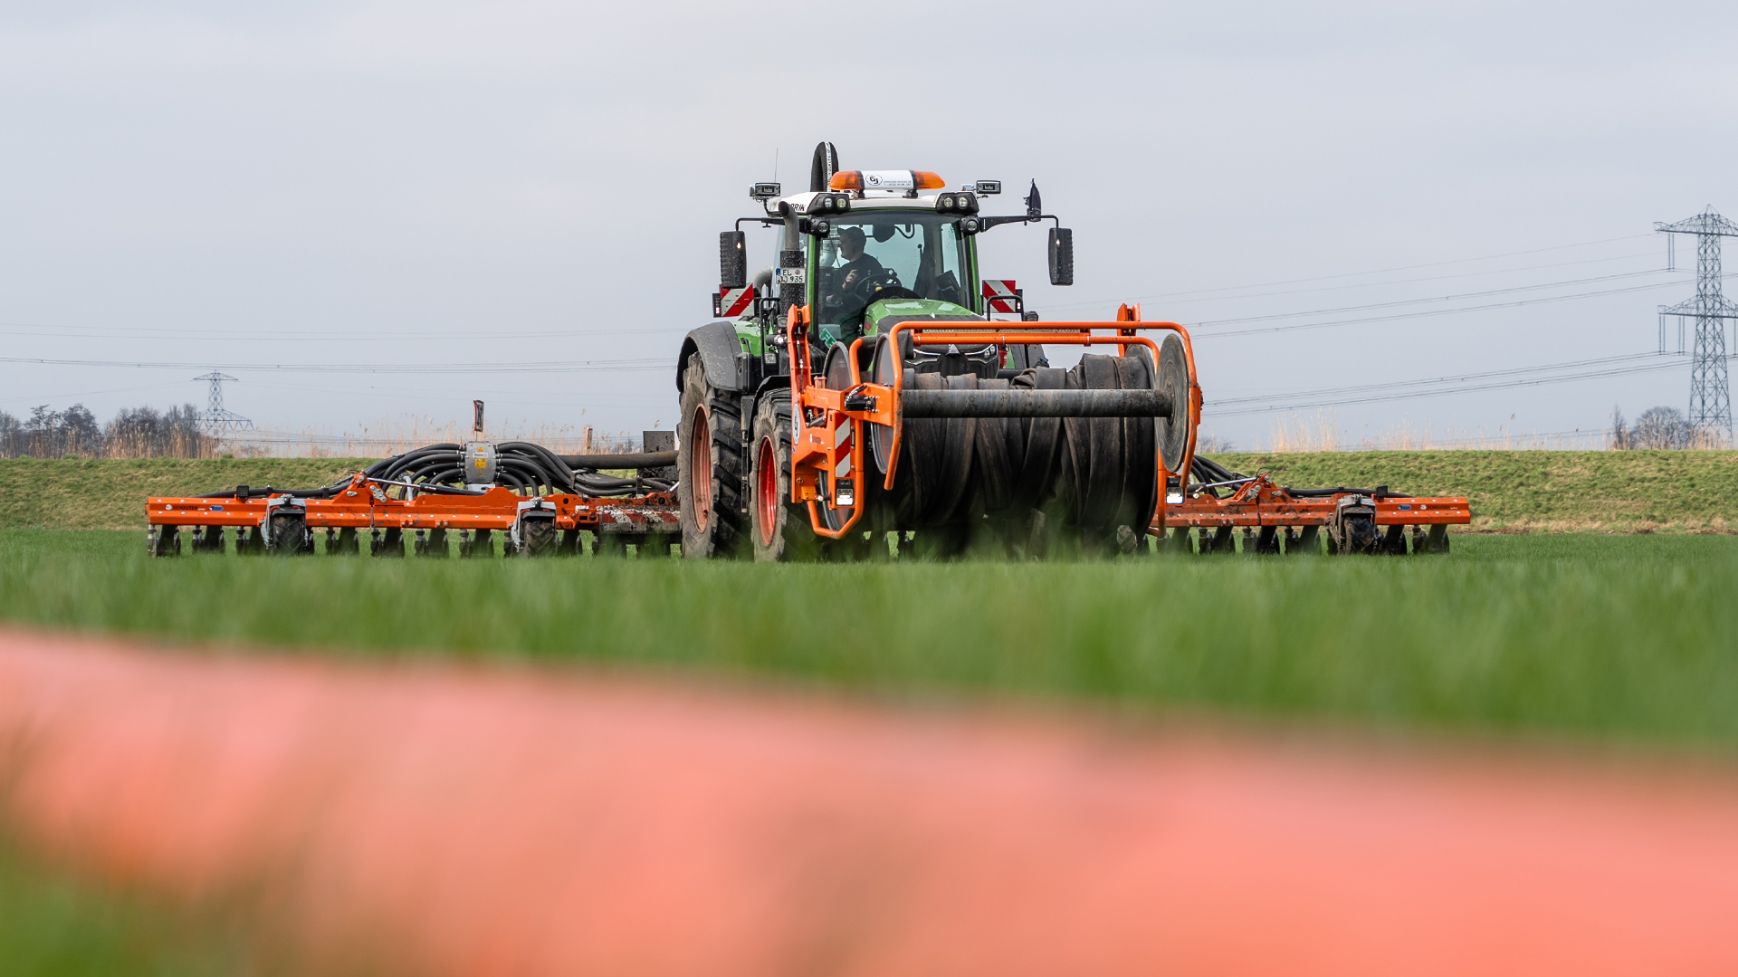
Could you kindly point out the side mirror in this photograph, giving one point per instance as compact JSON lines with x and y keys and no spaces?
{"x":732,"y":259}
{"x":1061,"y":256}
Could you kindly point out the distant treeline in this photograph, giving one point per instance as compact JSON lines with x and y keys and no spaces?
{"x":134,"y":432}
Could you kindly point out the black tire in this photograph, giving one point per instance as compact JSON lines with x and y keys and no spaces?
{"x":709,"y":467}
{"x":780,"y":528}
{"x":289,"y":535}
{"x":537,"y":537}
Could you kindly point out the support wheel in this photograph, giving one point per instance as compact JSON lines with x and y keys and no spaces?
{"x":538,"y":537}
{"x":709,"y":466}
{"x":289,"y":535}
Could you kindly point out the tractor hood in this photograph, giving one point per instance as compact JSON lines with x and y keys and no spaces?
{"x":885,"y":314}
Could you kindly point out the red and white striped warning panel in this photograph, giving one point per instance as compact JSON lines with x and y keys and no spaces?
{"x":733,"y":302}
{"x":1000,"y":295}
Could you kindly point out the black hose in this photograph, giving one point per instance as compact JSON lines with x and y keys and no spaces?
{"x":1206,"y":471}
{"x":252,"y":492}
{"x":643,"y":459}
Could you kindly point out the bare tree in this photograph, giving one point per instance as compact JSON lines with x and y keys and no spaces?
{"x":80,"y":434}
{"x":11,"y":436}
{"x":1619,"y":430}
{"x":1213,"y":444}
{"x":1660,"y":428}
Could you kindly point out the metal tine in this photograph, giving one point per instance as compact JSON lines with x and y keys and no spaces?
{"x":163,"y":541}
{"x":480,"y":543}
{"x":1220,"y":540}
{"x":342,"y":542}
{"x":1393,"y":542}
{"x":432,"y":543}
{"x":208,"y":539}
{"x":386,"y":543}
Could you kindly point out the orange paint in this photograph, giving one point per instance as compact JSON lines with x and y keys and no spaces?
{"x":530,"y":823}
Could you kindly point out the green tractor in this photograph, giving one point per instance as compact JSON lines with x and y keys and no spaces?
{"x":873,"y":339}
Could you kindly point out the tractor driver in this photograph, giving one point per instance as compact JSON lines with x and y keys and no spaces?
{"x":856,"y":268}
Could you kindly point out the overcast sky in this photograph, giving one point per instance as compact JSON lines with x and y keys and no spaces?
{"x":405,"y":182}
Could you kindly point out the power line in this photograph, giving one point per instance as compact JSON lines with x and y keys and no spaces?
{"x":1453,"y":297}
{"x":1377,"y":284}
{"x":533,"y":366}
{"x":514,"y":396}
{"x":1391,"y":268}
{"x":1601,"y":361}
{"x":349,"y":336}
{"x":1465,"y":388}
{"x":65,"y":394}
{"x":1432,"y":313}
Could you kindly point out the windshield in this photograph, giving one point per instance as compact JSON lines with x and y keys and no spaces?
{"x":888,"y":254}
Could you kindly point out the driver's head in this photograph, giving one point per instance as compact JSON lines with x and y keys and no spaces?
{"x":851,"y":243}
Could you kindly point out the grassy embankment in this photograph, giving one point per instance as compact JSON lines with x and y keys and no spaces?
{"x":1511,"y":491}
{"x":1539,"y":491}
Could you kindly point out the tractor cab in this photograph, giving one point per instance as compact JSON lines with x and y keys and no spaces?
{"x":861,"y":251}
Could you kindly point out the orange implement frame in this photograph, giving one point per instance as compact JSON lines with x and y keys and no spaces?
{"x":827,"y":436}
{"x":366,"y":504}
{"x":1260,"y":502}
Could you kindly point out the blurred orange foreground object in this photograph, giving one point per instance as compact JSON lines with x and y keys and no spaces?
{"x":463,"y":823}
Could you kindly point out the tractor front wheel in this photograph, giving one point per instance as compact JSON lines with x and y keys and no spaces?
{"x":709,"y":464}
{"x":780,"y":527}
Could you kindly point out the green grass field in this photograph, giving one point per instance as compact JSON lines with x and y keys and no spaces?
{"x":51,"y":924}
{"x":1585,"y":637}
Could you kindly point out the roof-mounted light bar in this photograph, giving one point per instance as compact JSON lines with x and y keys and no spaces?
{"x":765,"y":191}
{"x":985,"y":188}
{"x":864,"y":180}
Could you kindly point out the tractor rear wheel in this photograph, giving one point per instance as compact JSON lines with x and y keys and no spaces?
{"x":709,"y":466}
{"x":780,"y":527}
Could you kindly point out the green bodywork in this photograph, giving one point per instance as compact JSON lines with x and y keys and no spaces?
{"x":748,"y":334}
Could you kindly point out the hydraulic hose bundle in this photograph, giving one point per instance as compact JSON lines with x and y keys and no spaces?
{"x":538,"y":501}
{"x":521,"y":466}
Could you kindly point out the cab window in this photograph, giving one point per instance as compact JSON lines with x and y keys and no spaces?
{"x":890,"y":254}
